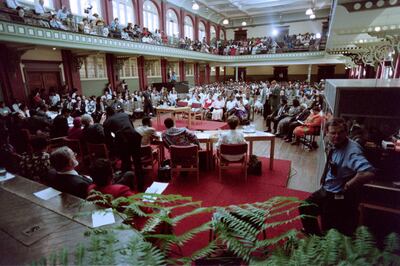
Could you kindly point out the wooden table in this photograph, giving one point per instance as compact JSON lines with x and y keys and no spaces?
{"x":32,"y":228}
{"x":388,"y":199}
{"x":211,"y":136}
{"x":173,"y":110}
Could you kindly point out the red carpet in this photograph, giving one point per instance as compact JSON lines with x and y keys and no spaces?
{"x":196,"y":124}
{"x":232,"y":190}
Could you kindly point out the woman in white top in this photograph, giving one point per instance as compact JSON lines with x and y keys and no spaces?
{"x":232,"y":136}
{"x":173,"y":96}
{"x":218,"y":110}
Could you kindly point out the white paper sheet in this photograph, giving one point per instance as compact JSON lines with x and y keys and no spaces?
{"x":47,"y":193}
{"x":7,"y":176}
{"x":155,"y":188}
{"x":103,"y":217}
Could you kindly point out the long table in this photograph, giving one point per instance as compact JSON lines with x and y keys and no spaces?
{"x":211,"y":136}
{"x":32,"y":228}
{"x":174,"y":110}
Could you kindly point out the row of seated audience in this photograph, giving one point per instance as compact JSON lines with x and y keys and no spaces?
{"x":95,"y":25}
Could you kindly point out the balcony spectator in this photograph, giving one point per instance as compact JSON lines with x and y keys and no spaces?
{"x":63,"y":14}
{"x":13,"y":4}
{"x":115,"y":26}
{"x":39,"y":8}
{"x":55,"y":23}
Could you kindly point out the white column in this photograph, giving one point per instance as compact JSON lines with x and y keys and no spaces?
{"x":309,"y":73}
{"x":236,"y":74}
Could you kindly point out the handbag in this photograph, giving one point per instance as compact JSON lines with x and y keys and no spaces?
{"x":254,"y":166}
{"x":164,"y":172}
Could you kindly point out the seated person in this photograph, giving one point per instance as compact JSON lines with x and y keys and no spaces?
{"x":147,"y":132}
{"x":240,"y":108}
{"x":92,"y":132}
{"x":311,"y":124}
{"x":177,"y":136}
{"x":36,"y":165}
{"x":102,"y":173}
{"x":75,"y":132}
{"x":298,"y":120}
{"x":232,"y":136}
{"x":63,"y":14}
{"x":55,"y":23}
{"x":294,"y":110}
{"x":115,"y":26}
{"x":64,"y":177}
{"x":277,"y":115}
{"x":217,"y":108}
{"x":230,"y":105}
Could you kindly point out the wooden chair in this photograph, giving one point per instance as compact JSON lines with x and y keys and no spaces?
{"x":185,"y":158}
{"x":198,"y":114}
{"x":149,"y":157}
{"x":232,"y":149}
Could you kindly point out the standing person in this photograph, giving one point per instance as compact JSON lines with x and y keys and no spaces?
{"x":60,"y":124}
{"x":345,"y":171}
{"x":147,"y":103}
{"x":275,"y":96}
{"x":124,"y":140}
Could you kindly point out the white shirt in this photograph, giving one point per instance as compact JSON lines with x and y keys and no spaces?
{"x":218,"y":104}
{"x":39,"y":9}
{"x":12,"y":4}
{"x":232,"y":136}
{"x":230,"y":105}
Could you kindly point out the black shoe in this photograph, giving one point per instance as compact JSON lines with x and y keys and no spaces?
{"x":279,"y":135}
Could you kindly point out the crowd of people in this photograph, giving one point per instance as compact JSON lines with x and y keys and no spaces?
{"x":290,"y":110}
{"x":93,"y":24}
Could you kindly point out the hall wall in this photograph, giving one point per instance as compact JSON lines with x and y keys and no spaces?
{"x":314,"y":26}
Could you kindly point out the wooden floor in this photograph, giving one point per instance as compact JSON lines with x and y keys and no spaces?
{"x":304,"y":163}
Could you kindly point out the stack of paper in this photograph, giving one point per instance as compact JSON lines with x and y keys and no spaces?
{"x":155,"y":188}
{"x":103,"y":217}
{"x":7,"y":176}
{"x":47,"y":193}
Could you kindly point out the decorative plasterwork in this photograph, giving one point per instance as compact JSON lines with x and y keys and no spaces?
{"x":27,"y":34}
{"x":370,"y":54}
{"x":357,"y":6}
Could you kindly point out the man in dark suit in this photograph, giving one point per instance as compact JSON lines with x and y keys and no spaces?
{"x":123,"y":139}
{"x":277,"y":115}
{"x":64,"y":177}
{"x":60,"y":124}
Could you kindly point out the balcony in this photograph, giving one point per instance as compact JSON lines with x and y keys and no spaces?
{"x":28,"y":34}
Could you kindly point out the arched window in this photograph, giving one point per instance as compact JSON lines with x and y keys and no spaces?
{"x":202,"y":31}
{"x":150,"y":16}
{"x":47,"y":3}
{"x":213,"y":34}
{"x":172,"y":23}
{"x":80,"y":7}
{"x":188,"y":27}
{"x":222,"y":35}
{"x":123,"y":10}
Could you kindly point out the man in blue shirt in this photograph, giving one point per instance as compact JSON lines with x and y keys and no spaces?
{"x":346,"y":170}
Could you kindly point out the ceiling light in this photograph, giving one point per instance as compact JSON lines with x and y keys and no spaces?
{"x":309,"y":12}
{"x":318,"y":35}
{"x":195,"y":6}
{"x":244,"y":23}
{"x":312,"y":16}
{"x":225,"y":22}
{"x":360,"y":41}
{"x":274,"y":32}
{"x":377,"y":28}
{"x":54,"y":48}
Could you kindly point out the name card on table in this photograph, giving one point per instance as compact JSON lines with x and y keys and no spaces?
{"x":103,"y":217}
{"x":155,"y":188}
{"x":6,"y":177}
{"x":47,"y":193}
